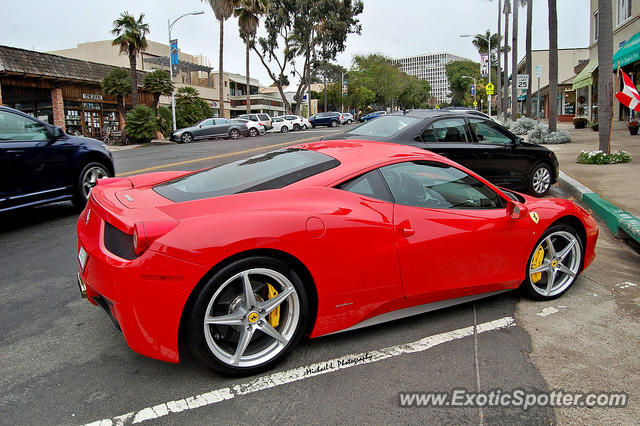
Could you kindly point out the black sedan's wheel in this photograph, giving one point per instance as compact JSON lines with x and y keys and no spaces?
{"x":540,"y":180}
{"x":284,"y":129}
{"x":186,"y":138}
{"x":253,"y":132}
{"x":334,"y":123}
{"x":87,"y":179}
{"x":248,"y":316}
{"x":554,"y":263}
{"x":234,"y":134}
{"x":296,"y":127}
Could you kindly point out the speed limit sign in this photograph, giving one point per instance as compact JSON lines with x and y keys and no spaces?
{"x":523,"y":81}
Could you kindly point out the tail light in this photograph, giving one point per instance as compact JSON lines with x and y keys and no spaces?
{"x":145,"y":233}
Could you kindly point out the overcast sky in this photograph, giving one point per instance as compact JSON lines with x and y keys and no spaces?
{"x":395,"y":28}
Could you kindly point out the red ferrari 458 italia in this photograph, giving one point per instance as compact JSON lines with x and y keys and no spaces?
{"x":242,"y":260}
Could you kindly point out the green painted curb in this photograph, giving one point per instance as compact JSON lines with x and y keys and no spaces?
{"x":615,"y":218}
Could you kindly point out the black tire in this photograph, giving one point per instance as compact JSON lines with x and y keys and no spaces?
{"x":334,"y":123}
{"x":349,"y":122}
{"x":540,"y":180}
{"x":86,"y":180}
{"x":223,"y":295}
{"x":186,"y":137}
{"x":284,"y":129}
{"x":234,"y":134}
{"x":253,"y":132}
{"x":313,"y":126}
{"x":296,"y":127}
{"x":561,"y":236}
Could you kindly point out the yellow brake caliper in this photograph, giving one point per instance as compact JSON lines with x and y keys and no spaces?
{"x":538,"y":257}
{"x":274,"y":316}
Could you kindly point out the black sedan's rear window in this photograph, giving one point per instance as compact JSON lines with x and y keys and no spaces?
{"x":272,"y":170}
{"x":384,"y":126}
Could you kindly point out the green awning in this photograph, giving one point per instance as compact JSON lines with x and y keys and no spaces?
{"x":585,"y":77}
{"x":628,"y":53}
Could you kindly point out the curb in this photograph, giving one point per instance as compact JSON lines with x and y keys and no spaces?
{"x":621,"y":223}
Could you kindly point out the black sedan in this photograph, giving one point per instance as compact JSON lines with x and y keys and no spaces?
{"x":210,"y":128}
{"x":474,"y":141}
{"x":39,"y":163}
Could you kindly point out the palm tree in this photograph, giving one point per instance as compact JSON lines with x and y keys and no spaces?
{"x":499,"y":73}
{"x":553,"y":64}
{"x":117,"y":83}
{"x":605,"y":65}
{"x":131,"y":37}
{"x":159,"y":83}
{"x":514,"y":62}
{"x":248,"y":14}
{"x":528,"y":58}
{"x":222,"y":9}
{"x":506,"y":11}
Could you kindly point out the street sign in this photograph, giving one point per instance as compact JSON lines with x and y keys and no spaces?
{"x":538,"y":71}
{"x":489,"y":88}
{"x":473,"y":90}
{"x":523,"y":81}
{"x":475,"y":104}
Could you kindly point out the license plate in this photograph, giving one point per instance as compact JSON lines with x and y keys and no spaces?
{"x":82,"y":258}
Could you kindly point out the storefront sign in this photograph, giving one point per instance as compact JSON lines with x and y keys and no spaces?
{"x":92,"y":96}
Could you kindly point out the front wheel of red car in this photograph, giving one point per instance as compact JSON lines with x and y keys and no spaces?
{"x":554,"y":263}
{"x":248,"y":316}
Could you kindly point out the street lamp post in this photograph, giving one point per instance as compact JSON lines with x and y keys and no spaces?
{"x":488,"y":40}
{"x":173,"y":98}
{"x":475,"y":88}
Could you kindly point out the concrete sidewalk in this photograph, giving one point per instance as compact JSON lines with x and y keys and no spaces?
{"x":612,"y":191}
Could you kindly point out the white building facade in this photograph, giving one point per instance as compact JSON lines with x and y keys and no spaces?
{"x":430,"y":67}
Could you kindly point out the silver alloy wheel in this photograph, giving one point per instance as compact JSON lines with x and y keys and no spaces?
{"x":334,"y":124}
{"x":541,"y":180}
{"x":234,"y":134}
{"x":258,"y":341}
{"x":90,"y":179}
{"x":560,"y":265}
{"x":186,"y":138}
{"x":284,"y":129}
{"x":253,"y":132}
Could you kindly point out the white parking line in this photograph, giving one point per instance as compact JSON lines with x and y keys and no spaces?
{"x":301,"y":373}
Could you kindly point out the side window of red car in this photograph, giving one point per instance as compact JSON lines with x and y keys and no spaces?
{"x":369,"y":184}
{"x":438,"y":186}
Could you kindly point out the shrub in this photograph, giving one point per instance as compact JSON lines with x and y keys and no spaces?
{"x":599,"y":157}
{"x":164,"y":121}
{"x":141,"y":124}
{"x":190,"y":107}
{"x":580,"y":122}
{"x":542,"y":135}
{"x":522,"y":126}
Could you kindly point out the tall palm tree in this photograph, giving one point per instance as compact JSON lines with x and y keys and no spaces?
{"x":528,"y":58}
{"x":248,"y":13}
{"x":507,"y":12}
{"x":159,"y":83}
{"x":222,"y":9}
{"x":514,"y":62}
{"x":605,"y":65}
{"x":553,"y":64}
{"x":499,"y":73}
{"x":131,"y":37}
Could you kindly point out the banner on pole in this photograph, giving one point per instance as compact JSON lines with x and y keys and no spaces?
{"x":484,"y":65}
{"x":174,"y":56}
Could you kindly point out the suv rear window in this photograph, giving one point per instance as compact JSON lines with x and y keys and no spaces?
{"x":384,"y":126}
{"x":263,"y":117}
{"x":272,"y":170}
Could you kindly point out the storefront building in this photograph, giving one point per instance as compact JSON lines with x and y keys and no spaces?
{"x":61,"y":91}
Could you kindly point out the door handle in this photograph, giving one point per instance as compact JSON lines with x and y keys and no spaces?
{"x":407,"y":232}
{"x":15,"y":151}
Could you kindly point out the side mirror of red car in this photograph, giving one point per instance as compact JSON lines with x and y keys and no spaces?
{"x":515,"y":210}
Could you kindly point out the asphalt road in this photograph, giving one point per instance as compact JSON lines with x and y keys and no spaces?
{"x":61,"y":362}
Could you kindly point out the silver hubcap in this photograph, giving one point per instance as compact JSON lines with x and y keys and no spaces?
{"x":235,"y":134}
{"x":186,"y":138}
{"x":559,"y":266}
{"x":541,"y":180}
{"x":90,"y":179}
{"x":238,"y":326}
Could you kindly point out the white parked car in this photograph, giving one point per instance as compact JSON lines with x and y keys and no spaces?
{"x":255,"y":127}
{"x":346,"y":118}
{"x":280,"y":124}
{"x":298,"y":122}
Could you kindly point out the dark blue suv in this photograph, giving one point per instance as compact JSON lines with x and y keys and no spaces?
{"x":331,"y":119}
{"x":39,"y":163}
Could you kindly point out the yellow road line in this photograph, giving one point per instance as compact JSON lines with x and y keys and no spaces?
{"x":213,"y":157}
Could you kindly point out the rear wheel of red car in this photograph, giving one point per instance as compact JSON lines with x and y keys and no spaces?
{"x":87,"y":179}
{"x":234,"y":134}
{"x":248,"y":316}
{"x":554,"y":263}
{"x":540,"y":180}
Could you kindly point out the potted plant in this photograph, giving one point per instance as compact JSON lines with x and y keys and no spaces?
{"x":594,"y":125}
{"x":580,"y":122}
{"x":633,"y":125}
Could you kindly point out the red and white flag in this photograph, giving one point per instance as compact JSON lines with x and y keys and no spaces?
{"x":629,"y":95}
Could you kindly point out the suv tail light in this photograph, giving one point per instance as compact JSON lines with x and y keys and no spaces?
{"x":145,"y":233}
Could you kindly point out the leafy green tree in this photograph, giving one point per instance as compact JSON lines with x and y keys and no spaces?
{"x":328,"y":72}
{"x":378,"y":74}
{"x":131,"y":38}
{"x":222,"y":9}
{"x":190,"y":107}
{"x":164,"y":121}
{"x":416,"y":94}
{"x":359,"y":97}
{"x":141,"y":124}
{"x":459,"y":85}
{"x":159,"y":83}
{"x":117,"y":83}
